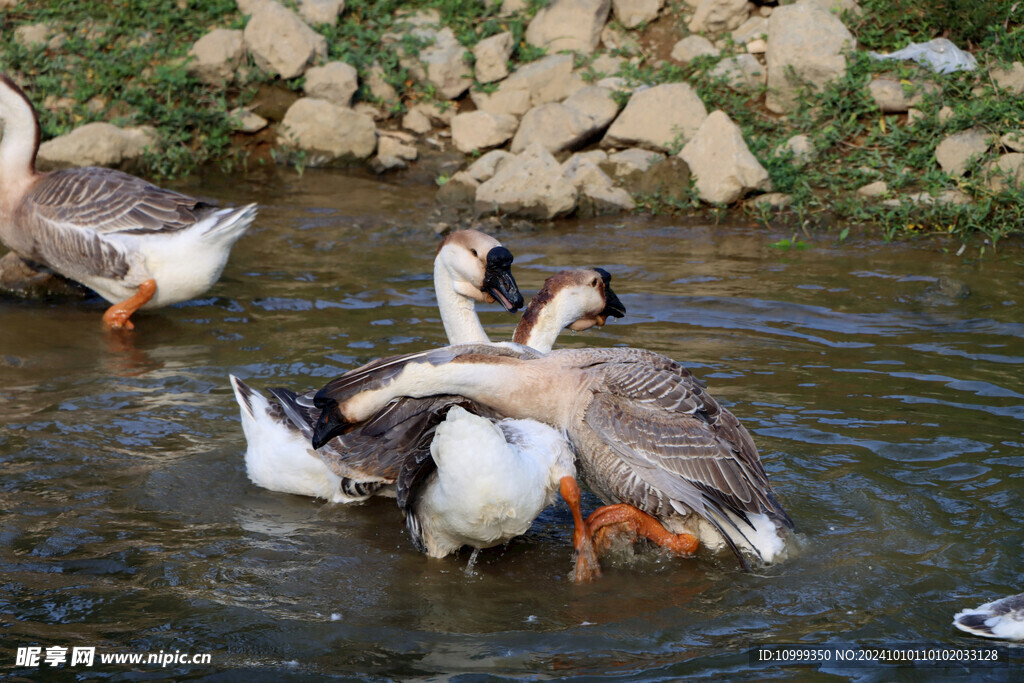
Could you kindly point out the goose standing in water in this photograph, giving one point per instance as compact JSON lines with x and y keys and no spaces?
{"x":470,"y":266}
{"x":135,"y":244}
{"x":669,"y":461}
{"x":997,"y":619}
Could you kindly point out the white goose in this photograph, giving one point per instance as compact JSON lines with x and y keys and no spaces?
{"x":470,"y":266}
{"x":672,"y":464}
{"x":1002,"y":618}
{"x":135,"y":244}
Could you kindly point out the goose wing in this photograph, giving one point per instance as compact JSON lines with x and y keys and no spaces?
{"x":73,"y":213}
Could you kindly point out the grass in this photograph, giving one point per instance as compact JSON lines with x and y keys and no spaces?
{"x":124,"y":61}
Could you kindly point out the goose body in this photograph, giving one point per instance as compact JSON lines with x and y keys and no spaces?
{"x":469,"y":267}
{"x":137,"y":245}
{"x":1002,"y":619}
{"x":645,"y":431}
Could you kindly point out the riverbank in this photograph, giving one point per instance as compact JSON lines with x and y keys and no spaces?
{"x":776,"y":111}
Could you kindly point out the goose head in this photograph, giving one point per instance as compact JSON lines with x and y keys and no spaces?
{"x":576,"y":299}
{"x":19,"y":139}
{"x":479,"y":268}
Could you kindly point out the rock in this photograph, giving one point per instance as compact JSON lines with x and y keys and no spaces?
{"x":392,"y":154}
{"x":754,"y":28}
{"x":324,"y":133}
{"x":668,"y":179}
{"x":946,"y":197}
{"x":893,"y":96}
{"x":836,"y":7}
{"x":445,"y":62}
{"x":417,"y":122}
{"x":439,"y":114}
{"x":35,"y":281}
{"x":335,"y":82}
{"x":510,"y":7}
{"x":1010,"y":79}
{"x":628,"y":162}
{"x":757,"y":46}
{"x":618,"y":39}
{"x":692,"y":47}
{"x":718,"y":157}
{"x":492,"y":55}
{"x":245,"y":121}
{"x":561,"y":126}
{"x":316,"y":12}
{"x":459,"y":191}
{"x":547,"y":80}
{"x":718,"y":16}
{"x":799,"y":148}
{"x":742,"y":72}
{"x":530,"y":186}
{"x":606,"y":65}
{"x":97,"y":144}
{"x":216,"y":56}
{"x":772,"y":200}
{"x":484,"y":168}
{"x":632,"y":13}
{"x":956,"y":151}
{"x":1005,"y":172}
{"x":379,"y":87}
{"x":656,"y":117}
{"x":478,"y":130}
{"x":914,"y":115}
{"x":33,"y":35}
{"x":273,"y":101}
{"x":598,"y":196}
{"x":875,"y":189}
{"x":374,"y":112}
{"x":280,"y":42}
{"x":1013,"y":140}
{"x":945,"y":114}
{"x":809,"y":42}
{"x":569,"y":25}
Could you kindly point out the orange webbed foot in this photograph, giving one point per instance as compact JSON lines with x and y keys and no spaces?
{"x":117,"y":316}
{"x":605,"y":521}
{"x":587,"y":566}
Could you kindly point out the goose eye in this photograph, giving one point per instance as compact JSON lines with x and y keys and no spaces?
{"x":473,"y":252}
{"x":593,"y":283}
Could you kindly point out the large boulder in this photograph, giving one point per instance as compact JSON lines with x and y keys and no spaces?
{"x":479,"y":130}
{"x":559,"y":126}
{"x":530,"y":186}
{"x":719,"y":159}
{"x":280,"y":42}
{"x":805,"y":45}
{"x":216,"y":56}
{"x":97,"y":144}
{"x":569,"y":25}
{"x":323,"y":133}
{"x":335,"y":82}
{"x":656,"y":117}
{"x":547,"y":80}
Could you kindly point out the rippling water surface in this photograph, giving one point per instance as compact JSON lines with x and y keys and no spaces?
{"x":890,"y":417}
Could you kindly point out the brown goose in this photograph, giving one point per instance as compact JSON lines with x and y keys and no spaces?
{"x":135,"y":244}
{"x":645,"y":431}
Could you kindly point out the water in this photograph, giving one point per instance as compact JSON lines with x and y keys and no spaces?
{"x":890,"y":419}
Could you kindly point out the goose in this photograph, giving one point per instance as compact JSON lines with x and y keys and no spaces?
{"x":135,"y":244}
{"x":670,"y":463}
{"x":469,"y":266}
{"x":1002,"y":618}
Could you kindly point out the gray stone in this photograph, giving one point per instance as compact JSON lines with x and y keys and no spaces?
{"x":492,"y":55}
{"x":754,"y":28}
{"x":97,"y":144}
{"x":718,"y":157}
{"x":657,"y":117}
{"x":335,"y":82}
{"x":392,"y":154}
{"x":799,"y":148}
{"x":547,"y":80}
{"x":1014,"y":140}
{"x":417,"y":122}
{"x":807,"y":43}
{"x":718,"y":16}
{"x":955,"y":152}
{"x":479,"y":130}
{"x":569,"y":25}
{"x":445,"y":62}
{"x":554,"y":126}
{"x":459,"y":191}
{"x":1005,"y":172}
{"x":321,"y":11}
{"x":1010,"y":79}
{"x":216,"y":56}
{"x":280,"y":42}
{"x":33,"y":35}
{"x":692,"y":47}
{"x":772,"y":200}
{"x":530,"y":186}
{"x":892,"y":96}
{"x":632,"y":13}
{"x":875,"y":189}
{"x":34,"y":281}
{"x":630,"y":161}
{"x":598,"y":195}
{"x":379,"y":87}
{"x":327,"y":134}
{"x":246,"y":121}
{"x":742,"y":72}
{"x":484,"y":168}
{"x":668,"y":179}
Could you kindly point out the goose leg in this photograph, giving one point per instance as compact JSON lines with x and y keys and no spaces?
{"x":603,"y":519}
{"x":118,"y":314}
{"x":587,"y":566}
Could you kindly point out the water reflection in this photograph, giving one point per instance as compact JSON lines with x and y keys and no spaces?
{"x":891,"y":426}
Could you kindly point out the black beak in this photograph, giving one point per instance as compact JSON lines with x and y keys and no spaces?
{"x":612,"y":306}
{"x":498,"y":280}
{"x":328,"y":425}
